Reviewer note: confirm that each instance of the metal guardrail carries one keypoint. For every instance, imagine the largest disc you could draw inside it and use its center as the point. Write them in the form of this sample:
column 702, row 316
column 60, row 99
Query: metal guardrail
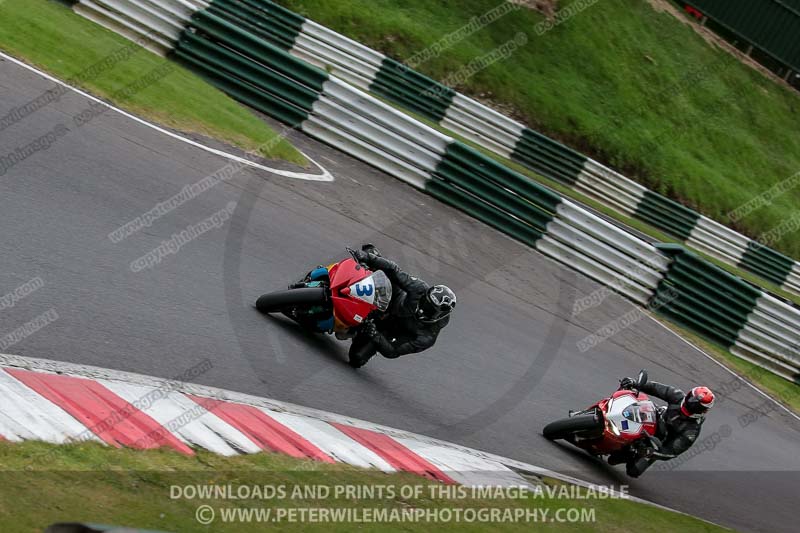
column 218, row 43
column 374, row 72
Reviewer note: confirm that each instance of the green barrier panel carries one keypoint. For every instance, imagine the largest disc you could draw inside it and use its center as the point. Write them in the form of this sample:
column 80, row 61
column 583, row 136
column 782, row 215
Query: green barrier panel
column 402, row 98
column 697, row 325
column 709, row 300
column 461, row 155
column 666, row 215
column 495, row 195
column 409, row 79
column 550, row 153
column 702, row 309
column 245, row 93
column 243, row 68
column 711, row 292
column 255, row 21
column 408, row 99
column 767, row 263
column 724, row 282
column 287, row 16
column 220, row 30
column 405, row 86
column 287, row 23
column 534, row 149
column 480, row 210
column 547, row 166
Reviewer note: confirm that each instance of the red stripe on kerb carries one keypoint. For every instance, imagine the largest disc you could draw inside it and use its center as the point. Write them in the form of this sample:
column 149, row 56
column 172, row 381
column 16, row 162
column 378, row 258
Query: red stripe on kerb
column 263, row 430
column 107, row 415
column 394, row 453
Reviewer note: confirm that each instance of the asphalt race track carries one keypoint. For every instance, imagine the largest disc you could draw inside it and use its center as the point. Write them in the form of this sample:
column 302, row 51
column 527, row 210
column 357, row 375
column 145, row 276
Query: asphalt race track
column 507, row 364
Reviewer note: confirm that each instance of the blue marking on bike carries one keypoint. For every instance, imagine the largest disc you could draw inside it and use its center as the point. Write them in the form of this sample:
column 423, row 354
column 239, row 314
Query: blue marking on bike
column 625, row 425
column 364, row 291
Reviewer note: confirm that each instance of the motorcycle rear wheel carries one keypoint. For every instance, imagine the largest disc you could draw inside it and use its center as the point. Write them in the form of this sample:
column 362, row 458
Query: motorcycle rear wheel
column 583, row 425
column 281, row 301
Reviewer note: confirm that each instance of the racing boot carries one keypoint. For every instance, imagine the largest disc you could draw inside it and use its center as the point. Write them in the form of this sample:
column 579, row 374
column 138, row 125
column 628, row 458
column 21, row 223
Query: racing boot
column 620, row 456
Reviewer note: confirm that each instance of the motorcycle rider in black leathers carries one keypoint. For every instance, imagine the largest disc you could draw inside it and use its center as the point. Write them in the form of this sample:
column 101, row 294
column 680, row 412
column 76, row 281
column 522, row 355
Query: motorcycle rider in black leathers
column 679, row 424
column 416, row 314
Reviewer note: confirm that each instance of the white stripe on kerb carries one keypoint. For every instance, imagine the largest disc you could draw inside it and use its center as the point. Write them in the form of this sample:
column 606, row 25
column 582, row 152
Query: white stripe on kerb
column 331, row 441
column 200, row 427
column 466, row 469
column 27, row 415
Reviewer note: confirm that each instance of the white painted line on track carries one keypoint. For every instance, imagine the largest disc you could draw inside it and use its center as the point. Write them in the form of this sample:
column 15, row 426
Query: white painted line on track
column 324, row 176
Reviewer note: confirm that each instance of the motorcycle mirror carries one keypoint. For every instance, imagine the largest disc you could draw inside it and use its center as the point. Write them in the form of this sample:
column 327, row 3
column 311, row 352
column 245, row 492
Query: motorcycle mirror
column 642, row 379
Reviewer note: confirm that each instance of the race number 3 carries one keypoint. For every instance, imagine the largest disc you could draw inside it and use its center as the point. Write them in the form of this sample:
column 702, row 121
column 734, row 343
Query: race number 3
column 365, row 290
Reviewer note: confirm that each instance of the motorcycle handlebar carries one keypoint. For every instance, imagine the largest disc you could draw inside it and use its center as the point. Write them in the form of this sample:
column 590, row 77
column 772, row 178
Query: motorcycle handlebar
column 352, row 254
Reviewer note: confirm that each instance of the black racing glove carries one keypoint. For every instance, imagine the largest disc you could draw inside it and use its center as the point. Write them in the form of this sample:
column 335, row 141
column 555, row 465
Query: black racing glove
column 370, row 249
column 370, row 330
column 361, row 256
column 627, row 383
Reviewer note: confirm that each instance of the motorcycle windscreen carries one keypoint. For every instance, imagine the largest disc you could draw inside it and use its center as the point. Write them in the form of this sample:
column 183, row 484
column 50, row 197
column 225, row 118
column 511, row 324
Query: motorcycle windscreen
column 375, row 289
column 641, row 413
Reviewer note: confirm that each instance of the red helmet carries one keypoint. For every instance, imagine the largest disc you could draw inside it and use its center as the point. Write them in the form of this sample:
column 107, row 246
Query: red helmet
column 697, row 402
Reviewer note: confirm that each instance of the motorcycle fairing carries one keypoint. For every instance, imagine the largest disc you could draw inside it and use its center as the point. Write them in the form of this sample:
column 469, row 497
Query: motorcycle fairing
column 632, row 415
column 617, row 403
column 356, row 292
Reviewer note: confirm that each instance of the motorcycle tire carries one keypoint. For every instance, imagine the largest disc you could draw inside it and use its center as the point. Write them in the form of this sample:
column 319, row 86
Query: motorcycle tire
column 584, row 425
column 280, row 301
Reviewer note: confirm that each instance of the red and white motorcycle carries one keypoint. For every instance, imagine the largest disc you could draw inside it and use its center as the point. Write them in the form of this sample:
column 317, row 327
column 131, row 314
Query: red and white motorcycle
column 626, row 419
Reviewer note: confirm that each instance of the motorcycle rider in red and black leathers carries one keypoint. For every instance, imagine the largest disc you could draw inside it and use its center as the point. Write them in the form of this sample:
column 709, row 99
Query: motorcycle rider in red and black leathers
column 679, row 424
column 416, row 314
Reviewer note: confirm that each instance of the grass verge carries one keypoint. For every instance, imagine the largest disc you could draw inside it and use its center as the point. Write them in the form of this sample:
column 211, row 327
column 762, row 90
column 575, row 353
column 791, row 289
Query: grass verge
column 88, row 482
column 49, row 35
column 628, row 85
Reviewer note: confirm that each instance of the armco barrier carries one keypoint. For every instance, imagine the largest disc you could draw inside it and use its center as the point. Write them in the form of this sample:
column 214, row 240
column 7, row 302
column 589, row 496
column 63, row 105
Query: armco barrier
column 381, row 75
column 244, row 54
column 752, row 324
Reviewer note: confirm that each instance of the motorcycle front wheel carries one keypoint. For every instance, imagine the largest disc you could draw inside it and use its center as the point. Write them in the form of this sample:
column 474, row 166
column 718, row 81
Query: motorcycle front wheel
column 281, row 301
column 583, row 425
